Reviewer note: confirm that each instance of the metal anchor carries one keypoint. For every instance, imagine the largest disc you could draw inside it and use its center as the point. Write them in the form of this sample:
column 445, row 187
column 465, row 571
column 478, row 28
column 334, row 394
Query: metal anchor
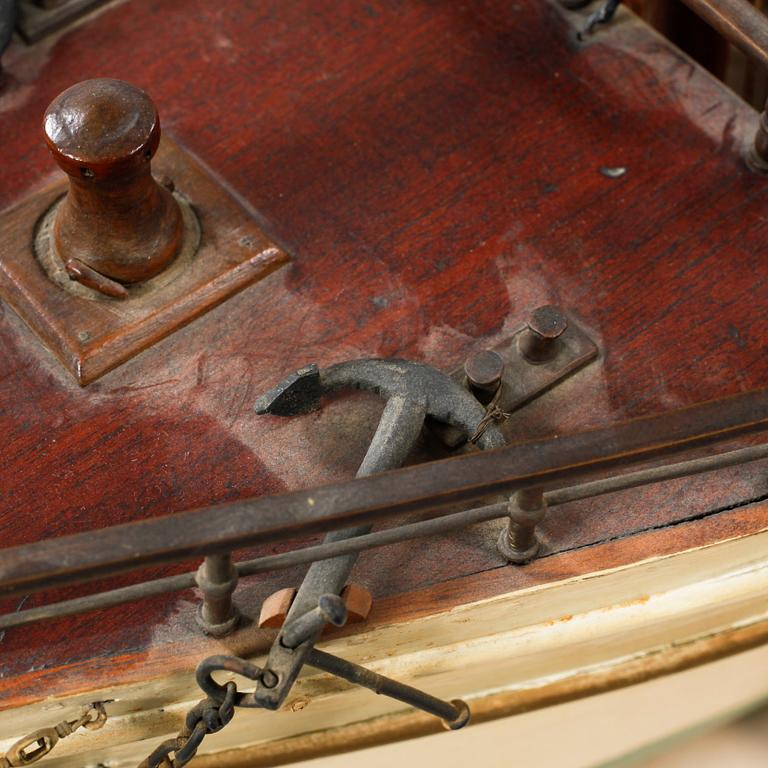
column 412, row 392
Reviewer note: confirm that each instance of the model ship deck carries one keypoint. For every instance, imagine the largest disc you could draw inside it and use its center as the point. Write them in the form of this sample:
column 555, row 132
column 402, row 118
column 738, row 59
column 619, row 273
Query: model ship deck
column 435, row 171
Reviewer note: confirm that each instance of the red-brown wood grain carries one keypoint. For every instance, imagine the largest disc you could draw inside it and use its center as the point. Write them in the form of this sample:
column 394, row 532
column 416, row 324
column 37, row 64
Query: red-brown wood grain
column 434, row 169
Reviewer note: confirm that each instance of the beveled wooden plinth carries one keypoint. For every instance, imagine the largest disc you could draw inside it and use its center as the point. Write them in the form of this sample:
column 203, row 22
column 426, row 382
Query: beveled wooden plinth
column 91, row 333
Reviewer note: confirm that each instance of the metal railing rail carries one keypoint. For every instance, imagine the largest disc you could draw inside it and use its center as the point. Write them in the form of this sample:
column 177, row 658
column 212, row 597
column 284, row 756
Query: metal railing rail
column 737, row 21
column 554, row 464
column 395, row 535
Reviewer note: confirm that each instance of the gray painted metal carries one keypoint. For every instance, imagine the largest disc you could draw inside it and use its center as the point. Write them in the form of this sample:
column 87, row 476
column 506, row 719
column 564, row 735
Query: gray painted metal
column 412, row 392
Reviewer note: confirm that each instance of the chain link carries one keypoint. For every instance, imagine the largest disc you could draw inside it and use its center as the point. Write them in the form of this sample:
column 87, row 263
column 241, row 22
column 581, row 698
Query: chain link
column 207, row 716
column 39, row 743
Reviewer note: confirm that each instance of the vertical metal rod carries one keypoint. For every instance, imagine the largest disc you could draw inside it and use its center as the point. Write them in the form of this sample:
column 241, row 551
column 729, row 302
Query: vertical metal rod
column 217, row 579
column 454, row 714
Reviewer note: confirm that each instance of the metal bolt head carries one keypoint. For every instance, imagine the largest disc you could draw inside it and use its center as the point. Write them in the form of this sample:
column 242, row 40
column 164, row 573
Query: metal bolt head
column 484, row 370
column 269, row 679
column 548, row 322
column 463, row 716
column 538, row 342
column 509, row 546
column 518, row 542
column 333, row 609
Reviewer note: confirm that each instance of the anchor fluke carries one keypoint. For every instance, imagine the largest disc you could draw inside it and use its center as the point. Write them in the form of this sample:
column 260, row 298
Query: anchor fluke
column 297, row 393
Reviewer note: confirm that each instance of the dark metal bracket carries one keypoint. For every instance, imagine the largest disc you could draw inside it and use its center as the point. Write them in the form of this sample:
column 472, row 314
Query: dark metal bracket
column 455, row 714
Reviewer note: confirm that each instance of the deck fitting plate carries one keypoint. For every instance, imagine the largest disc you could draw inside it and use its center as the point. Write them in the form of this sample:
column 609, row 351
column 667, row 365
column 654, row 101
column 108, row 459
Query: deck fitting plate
column 523, row 381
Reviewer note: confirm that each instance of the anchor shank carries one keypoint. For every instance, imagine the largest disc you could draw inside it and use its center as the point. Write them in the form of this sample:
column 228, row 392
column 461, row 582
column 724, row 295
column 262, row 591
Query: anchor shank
column 398, row 430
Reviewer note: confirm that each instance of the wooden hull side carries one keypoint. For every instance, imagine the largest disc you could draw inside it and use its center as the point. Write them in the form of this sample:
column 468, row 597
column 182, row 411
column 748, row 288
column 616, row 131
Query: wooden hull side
column 506, row 655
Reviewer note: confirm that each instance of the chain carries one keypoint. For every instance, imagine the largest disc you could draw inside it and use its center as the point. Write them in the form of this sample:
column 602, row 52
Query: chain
column 38, row 744
column 215, row 712
column 493, row 413
column 207, row 716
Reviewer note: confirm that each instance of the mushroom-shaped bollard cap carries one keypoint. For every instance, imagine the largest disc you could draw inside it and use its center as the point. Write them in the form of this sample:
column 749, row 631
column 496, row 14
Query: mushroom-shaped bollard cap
column 116, row 222
column 102, row 128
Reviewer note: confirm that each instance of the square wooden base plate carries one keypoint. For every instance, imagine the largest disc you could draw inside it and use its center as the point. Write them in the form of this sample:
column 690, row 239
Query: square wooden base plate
column 92, row 334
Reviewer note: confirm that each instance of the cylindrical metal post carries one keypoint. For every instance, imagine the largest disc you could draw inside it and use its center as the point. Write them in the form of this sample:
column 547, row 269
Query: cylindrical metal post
column 217, row 579
column 518, row 541
column 540, row 340
column 484, row 371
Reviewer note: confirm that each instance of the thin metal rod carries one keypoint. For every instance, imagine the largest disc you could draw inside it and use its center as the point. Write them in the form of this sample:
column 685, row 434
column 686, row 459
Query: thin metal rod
column 282, row 561
column 454, row 713
column 433, row 527
column 629, row 480
column 384, row 538
column 737, row 21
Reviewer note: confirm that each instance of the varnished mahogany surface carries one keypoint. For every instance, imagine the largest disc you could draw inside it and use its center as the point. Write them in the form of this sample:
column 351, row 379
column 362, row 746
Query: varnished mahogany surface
column 434, row 167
